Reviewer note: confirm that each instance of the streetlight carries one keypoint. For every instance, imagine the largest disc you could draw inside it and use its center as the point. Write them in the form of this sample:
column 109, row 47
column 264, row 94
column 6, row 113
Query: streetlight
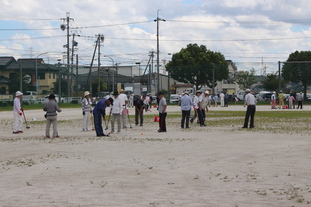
column 37, row 71
column 108, row 71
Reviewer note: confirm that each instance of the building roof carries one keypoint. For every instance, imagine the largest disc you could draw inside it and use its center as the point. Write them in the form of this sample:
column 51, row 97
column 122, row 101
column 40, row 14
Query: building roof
column 4, row 79
column 4, row 61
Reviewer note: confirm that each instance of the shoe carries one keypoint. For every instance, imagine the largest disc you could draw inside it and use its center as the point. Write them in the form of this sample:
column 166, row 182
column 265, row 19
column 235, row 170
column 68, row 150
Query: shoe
column 21, row 132
column 203, row 125
column 251, row 127
column 15, row 132
column 191, row 120
column 141, row 125
column 104, row 135
column 244, row 127
column 56, row 136
column 161, row 130
column 47, row 137
column 188, row 127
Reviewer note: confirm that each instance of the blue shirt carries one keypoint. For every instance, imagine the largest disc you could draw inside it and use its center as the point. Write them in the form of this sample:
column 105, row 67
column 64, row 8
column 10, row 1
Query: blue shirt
column 185, row 103
column 100, row 106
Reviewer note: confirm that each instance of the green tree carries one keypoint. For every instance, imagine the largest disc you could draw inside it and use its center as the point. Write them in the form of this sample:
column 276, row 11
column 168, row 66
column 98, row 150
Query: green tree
column 14, row 84
column 298, row 72
column 195, row 64
column 103, row 86
column 63, row 87
column 272, row 82
column 246, row 79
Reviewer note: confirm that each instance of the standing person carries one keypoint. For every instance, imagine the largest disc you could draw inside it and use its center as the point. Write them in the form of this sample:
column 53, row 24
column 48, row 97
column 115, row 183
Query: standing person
column 203, row 105
column 291, row 99
column 18, row 113
column 145, row 100
column 139, row 111
column 116, row 111
column 162, row 112
column 281, row 99
column 124, row 101
column 185, row 105
column 86, row 110
column 226, row 99
column 222, row 99
column 250, row 102
column 196, row 105
column 51, row 116
column 299, row 99
column 99, row 112
column 131, row 101
column 215, row 98
column 273, row 100
column 150, row 101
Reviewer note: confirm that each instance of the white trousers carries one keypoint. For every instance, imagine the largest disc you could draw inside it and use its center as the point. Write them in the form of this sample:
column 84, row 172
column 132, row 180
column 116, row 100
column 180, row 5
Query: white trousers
column 18, row 122
column 86, row 121
column 51, row 120
column 123, row 118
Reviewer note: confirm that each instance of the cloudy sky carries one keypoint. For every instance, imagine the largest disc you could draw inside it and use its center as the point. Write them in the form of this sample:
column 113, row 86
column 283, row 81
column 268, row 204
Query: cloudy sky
column 251, row 33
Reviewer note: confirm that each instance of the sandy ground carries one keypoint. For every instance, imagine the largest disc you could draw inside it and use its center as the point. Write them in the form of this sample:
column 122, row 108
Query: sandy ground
column 207, row 166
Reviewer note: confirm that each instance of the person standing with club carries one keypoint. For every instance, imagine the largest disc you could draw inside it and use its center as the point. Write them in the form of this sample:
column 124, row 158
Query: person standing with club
column 99, row 111
column 116, row 112
column 162, row 112
column 86, row 110
column 18, row 112
column 250, row 102
column 139, row 111
column 51, row 116
column 185, row 103
column 124, row 101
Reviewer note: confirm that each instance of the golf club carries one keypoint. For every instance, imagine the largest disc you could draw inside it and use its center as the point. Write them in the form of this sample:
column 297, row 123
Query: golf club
column 93, row 129
column 27, row 127
column 108, row 121
column 128, row 116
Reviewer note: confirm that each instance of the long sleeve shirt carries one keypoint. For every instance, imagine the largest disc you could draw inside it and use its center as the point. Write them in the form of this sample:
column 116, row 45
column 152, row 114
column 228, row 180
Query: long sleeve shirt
column 250, row 99
column 86, row 104
column 51, row 107
column 100, row 107
column 185, row 103
column 17, row 105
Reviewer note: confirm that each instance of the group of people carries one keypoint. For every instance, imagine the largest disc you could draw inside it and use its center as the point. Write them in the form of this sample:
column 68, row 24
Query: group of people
column 51, row 108
column 292, row 98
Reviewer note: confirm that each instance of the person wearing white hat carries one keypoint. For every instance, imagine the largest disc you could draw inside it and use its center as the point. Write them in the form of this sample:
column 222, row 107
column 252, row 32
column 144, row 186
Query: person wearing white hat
column 203, row 106
column 86, row 110
column 18, row 112
column 250, row 102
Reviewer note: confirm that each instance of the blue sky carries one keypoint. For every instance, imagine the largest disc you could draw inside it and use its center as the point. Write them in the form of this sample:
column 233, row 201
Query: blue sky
column 252, row 33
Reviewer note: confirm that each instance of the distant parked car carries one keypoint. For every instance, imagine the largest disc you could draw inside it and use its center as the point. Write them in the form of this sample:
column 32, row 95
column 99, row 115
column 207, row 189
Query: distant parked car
column 174, row 98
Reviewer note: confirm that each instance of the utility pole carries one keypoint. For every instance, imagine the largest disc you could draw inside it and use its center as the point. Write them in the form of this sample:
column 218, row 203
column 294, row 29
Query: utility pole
column 63, row 27
column 77, row 78
column 158, row 48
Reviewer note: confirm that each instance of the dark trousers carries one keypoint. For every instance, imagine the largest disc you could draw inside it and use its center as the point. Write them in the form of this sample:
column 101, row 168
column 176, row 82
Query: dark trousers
column 185, row 116
column 201, row 115
column 299, row 104
column 98, row 124
column 250, row 112
column 162, row 122
column 139, row 114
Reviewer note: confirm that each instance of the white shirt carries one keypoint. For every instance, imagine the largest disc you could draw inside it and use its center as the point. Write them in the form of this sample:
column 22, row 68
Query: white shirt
column 116, row 108
column 250, row 99
column 123, row 98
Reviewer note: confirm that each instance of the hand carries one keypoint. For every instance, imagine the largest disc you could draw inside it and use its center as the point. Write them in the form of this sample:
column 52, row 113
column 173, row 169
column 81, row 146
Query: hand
column 22, row 109
column 20, row 114
column 104, row 118
column 91, row 111
column 83, row 113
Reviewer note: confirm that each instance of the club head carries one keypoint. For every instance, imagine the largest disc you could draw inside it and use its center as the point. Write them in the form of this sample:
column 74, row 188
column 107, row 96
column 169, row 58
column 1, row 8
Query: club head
column 27, row 127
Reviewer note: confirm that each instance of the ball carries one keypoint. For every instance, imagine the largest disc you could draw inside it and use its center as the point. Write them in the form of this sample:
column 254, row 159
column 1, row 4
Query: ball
column 142, row 133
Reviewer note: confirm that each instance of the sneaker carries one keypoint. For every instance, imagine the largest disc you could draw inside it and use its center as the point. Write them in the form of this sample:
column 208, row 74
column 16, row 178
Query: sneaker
column 21, row 132
column 141, row 125
column 15, row 132
column 47, row 137
column 56, row 136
